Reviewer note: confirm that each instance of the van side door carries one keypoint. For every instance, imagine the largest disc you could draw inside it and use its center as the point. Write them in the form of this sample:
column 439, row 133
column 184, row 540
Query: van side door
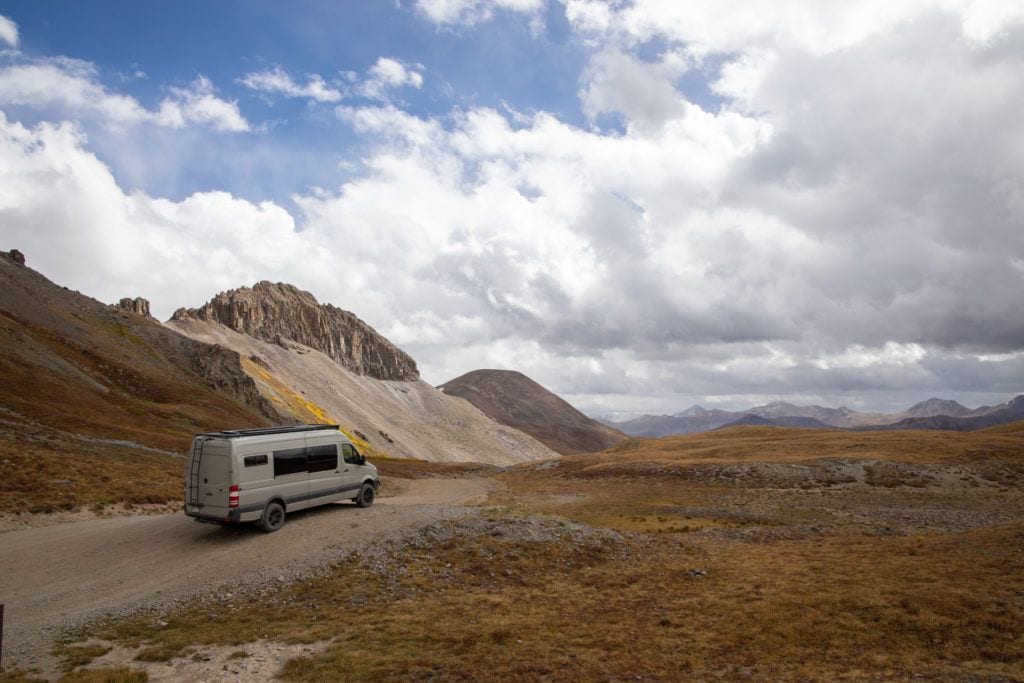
column 325, row 477
column 291, row 476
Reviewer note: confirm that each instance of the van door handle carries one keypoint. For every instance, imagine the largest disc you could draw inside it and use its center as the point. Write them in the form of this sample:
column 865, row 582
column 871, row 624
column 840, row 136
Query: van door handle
column 346, row 469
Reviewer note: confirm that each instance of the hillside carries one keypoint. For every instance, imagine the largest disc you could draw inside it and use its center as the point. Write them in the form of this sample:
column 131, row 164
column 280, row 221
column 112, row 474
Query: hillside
column 514, row 399
column 400, row 417
column 83, row 384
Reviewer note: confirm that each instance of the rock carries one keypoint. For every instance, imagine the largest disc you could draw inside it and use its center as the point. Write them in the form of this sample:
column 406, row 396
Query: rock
column 17, row 257
column 138, row 306
column 278, row 313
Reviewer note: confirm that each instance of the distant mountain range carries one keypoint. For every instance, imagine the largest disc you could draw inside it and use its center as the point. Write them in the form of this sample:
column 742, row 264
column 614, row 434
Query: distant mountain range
column 934, row 413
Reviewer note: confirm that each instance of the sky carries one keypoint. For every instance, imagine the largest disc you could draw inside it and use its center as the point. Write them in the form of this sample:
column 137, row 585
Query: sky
column 641, row 204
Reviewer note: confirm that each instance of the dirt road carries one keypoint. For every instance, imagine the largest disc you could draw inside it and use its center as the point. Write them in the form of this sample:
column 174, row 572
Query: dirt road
column 54, row 577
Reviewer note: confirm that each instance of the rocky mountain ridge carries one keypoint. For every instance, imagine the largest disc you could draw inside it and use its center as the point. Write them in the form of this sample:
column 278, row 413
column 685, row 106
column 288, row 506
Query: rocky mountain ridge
column 273, row 312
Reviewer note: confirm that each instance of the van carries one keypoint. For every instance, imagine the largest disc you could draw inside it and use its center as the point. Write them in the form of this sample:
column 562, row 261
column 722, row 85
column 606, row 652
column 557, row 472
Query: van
column 260, row 475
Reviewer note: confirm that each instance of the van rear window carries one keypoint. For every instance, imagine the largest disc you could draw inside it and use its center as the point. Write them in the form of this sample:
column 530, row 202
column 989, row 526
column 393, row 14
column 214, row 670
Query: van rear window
column 254, row 460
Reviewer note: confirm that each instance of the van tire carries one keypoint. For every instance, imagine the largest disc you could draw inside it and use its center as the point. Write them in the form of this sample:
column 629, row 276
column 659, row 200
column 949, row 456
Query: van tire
column 273, row 517
column 365, row 497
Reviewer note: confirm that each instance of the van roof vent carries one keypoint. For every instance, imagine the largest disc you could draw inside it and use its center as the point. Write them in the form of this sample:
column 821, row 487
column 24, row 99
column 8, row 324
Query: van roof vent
column 261, row 431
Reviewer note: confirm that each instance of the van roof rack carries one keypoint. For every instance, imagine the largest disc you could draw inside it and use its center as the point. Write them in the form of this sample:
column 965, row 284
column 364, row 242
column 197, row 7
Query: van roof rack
column 261, row 431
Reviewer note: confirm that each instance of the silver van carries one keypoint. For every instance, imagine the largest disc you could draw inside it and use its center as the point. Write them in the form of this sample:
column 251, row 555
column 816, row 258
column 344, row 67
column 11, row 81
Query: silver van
column 259, row 475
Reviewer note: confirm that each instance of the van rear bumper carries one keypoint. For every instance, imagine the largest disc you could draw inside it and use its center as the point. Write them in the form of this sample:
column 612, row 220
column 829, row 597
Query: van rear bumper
column 233, row 517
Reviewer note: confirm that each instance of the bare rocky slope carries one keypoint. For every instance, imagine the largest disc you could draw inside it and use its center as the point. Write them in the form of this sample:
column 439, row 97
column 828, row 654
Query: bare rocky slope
column 352, row 376
column 272, row 312
column 515, row 400
column 79, row 366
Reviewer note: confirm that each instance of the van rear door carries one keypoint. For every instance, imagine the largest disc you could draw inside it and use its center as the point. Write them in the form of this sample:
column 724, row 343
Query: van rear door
column 210, row 479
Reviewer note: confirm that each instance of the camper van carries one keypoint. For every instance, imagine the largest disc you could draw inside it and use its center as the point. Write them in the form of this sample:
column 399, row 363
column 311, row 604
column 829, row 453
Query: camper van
column 260, row 475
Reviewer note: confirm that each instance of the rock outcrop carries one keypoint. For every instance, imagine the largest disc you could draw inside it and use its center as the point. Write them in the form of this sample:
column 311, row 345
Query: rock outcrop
column 138, row 306
column 16, row 256
column 277, row 312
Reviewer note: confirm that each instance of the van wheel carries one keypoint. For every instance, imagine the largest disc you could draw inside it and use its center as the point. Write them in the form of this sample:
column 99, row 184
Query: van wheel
column 273, row 517
column 365, row 497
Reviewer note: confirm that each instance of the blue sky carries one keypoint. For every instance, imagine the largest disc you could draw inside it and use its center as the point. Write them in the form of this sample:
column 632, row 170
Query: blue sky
column 641, row 204
column 174, row 43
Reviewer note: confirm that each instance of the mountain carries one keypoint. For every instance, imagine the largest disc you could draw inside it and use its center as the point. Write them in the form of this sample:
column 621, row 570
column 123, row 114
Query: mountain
column 682, row 423
column 698, row 419
column 1011, row 411
column 752, row 420
column 272, row 312
column 317, row 363
column 513, row 399
column 74, row 365
column 936, row 406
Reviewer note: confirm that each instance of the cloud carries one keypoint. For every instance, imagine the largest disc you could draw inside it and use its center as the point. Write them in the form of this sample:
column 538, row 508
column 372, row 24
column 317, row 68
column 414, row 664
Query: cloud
column 198, row 103
column 841, row 226
column 70, row 86
column 8, row 31
column 277, row 80
column 470, row 12
column 388, row 73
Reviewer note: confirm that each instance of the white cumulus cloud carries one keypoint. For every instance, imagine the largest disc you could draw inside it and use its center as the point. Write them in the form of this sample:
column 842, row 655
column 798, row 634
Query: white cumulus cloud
column 66, row 86
column 388, row 73
column 473, row 11
column 8, row 31
column 277, row 80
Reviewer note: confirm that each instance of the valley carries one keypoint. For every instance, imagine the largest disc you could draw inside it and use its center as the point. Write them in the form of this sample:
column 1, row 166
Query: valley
column 516, row 538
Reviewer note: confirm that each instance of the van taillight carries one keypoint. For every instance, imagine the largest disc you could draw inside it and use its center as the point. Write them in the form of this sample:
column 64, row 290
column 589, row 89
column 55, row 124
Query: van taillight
column 233, row 496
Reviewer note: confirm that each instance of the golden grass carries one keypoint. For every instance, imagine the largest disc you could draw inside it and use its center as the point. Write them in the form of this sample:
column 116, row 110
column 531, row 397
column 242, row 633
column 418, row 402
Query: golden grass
column 712, row 579
column 778, row 444
column 484, row 608
column 46, row 476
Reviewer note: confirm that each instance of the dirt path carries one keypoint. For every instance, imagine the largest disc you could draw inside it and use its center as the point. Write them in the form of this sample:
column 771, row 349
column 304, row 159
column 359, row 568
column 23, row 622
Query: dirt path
column 55, row 577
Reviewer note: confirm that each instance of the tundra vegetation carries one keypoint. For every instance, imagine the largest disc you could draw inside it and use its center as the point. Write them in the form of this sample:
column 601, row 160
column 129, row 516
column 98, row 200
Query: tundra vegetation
column 751, row 552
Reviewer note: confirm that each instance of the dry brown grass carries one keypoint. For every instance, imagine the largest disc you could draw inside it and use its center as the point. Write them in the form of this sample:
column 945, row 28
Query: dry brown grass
column 776, row 444
column 479, row 607
column 53, row 474
column 731, row 580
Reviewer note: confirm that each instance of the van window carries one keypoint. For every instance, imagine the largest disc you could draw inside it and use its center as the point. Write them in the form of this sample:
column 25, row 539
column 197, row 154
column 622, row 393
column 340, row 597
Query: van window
column 289, row 461
column 351, row 456
column 323, row 458
column 254, row 460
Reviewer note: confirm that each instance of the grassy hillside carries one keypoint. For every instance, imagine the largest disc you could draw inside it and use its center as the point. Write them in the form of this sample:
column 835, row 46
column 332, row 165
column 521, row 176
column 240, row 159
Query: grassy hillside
column 76, row 376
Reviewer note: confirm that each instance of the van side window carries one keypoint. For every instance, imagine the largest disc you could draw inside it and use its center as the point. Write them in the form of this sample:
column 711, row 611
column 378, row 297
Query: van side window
column 254, row 460
column 289, row 461
column 323, row 458
column 351, row 457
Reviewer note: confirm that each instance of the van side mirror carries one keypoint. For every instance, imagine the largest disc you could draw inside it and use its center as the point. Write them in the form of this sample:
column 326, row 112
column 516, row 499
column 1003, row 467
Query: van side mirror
column 362, row 459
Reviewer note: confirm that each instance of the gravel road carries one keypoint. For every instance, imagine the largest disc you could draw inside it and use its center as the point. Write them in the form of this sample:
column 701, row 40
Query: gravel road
column 55, row 577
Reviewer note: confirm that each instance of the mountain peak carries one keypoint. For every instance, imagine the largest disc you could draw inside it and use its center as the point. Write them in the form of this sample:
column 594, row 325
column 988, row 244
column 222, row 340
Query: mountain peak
column 511, row 398
column 274, row 311
column 937, row 406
